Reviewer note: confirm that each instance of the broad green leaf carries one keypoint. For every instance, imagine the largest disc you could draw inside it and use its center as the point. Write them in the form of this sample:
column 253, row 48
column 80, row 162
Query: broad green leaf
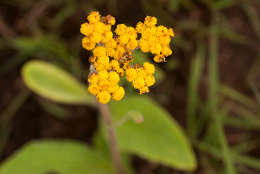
column 54, row 83
column 158, row 138
column 56, row 156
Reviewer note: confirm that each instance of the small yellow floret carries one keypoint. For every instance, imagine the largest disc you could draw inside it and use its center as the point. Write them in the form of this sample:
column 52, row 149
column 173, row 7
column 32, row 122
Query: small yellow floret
column 149, row 68
column 94, row 17
column 119, row 94
column 139, row 27
column 144, row 45
column 159, row 58
column 103, row 60
column 87, row 44
column 92, row 59
column 149, row 80
column 95, row 37
column 113, row 77
column 119, row 52
column 150, row 21
column 132, row 44
column 112, row 88
column 86, row 29
column 171, row 32
column 111, row 43
column 99, row 51
column 93, row 89
column 131, row 74
column 156, row 48
column 139, row 83
column 93, row 78
column 103, row 75
column 143, row 90
column 120, row 28
column 109, row 20
column 166, row 51
column 103, row 97
column 107, row 36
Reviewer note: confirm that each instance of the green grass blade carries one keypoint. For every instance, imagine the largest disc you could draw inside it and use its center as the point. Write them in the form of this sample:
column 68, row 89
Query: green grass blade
column 225, row 149
column 193, row 97
column 213, row 99
column 240, row 123
column 248, row 161
column 239, row 159
column 213, row 70
column 252, row 15
column 237, row 96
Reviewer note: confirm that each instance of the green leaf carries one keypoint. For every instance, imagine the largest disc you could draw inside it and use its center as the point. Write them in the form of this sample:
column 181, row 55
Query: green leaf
column 159, row 138
column 53, row 156
column 54, row 83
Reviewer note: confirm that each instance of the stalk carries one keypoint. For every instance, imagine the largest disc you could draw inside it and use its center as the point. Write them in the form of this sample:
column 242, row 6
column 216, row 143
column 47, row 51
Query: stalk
column 112, row 140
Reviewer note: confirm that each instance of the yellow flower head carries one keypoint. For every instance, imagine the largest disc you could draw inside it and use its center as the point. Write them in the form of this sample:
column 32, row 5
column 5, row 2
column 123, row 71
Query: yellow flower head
column 113, row 54
column 141, row 76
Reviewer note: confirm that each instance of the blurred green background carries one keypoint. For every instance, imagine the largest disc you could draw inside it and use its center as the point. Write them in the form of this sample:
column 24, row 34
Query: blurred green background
column 211, row 83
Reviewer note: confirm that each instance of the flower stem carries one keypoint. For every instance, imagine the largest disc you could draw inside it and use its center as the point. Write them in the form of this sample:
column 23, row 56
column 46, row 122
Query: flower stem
column 112, row 140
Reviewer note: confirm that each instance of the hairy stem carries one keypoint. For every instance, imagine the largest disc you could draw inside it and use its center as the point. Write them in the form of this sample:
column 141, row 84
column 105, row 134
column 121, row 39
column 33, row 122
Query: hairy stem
column 112, row 140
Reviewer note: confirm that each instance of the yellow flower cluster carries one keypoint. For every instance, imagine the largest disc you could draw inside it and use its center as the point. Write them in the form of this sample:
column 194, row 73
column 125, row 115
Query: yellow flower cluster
column 113, row 54
column 141, row 76
column 155, row 39
column 104, row 85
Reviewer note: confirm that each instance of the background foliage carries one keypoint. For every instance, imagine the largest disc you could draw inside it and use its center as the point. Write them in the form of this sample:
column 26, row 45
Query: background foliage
column 210, row 86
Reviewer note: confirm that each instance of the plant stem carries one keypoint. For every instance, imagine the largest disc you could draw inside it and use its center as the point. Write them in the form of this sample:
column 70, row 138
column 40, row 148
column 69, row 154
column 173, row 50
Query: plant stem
column 112, row 140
